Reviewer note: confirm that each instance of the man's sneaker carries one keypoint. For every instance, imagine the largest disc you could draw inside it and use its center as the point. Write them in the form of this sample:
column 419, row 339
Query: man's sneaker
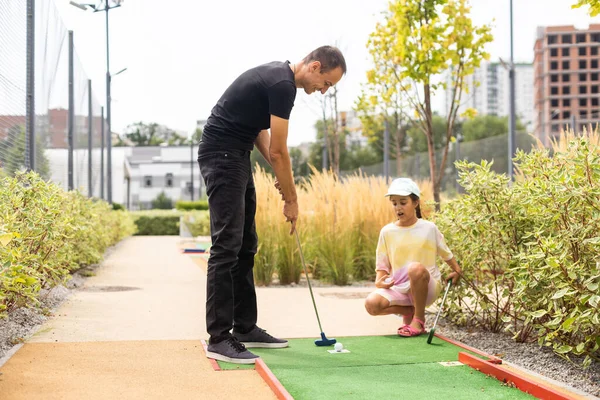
column 230, row 350
column 258, row 337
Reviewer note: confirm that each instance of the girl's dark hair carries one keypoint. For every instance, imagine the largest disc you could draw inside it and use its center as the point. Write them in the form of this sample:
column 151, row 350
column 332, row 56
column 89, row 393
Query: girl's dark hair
column 414, row 197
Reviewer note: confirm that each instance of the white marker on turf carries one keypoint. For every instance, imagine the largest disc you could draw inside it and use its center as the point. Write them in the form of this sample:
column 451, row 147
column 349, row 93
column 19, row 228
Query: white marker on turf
column 338, row 348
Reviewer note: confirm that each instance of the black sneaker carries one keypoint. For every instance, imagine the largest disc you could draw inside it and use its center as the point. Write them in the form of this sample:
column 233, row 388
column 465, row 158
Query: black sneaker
column 230, row 350
column 258, row 337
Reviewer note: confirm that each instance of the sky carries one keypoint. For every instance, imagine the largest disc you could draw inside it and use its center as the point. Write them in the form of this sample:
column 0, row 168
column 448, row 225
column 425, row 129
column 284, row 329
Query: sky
column 181, row 55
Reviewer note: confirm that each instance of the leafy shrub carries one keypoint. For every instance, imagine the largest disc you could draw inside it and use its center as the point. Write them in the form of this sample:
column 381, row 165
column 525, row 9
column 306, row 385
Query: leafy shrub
column 531, row 251
column 45, row 233
column 198, row 222
column 200, row 205
column 156, row 223
column 159, row 222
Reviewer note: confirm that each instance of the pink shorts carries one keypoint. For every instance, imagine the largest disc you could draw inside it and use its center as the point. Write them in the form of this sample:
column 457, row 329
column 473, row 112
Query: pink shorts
column 403, row 296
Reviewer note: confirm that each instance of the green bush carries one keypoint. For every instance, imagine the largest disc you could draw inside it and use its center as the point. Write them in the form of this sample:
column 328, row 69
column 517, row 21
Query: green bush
column 198, row 222
column 45, row 233
column 162, row 202
column 530, row 252
column 200, row 205
column 156, row 223
column 159, row 222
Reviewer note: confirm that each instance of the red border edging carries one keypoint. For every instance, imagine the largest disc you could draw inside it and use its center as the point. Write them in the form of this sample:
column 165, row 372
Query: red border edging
column 212, row 361
column 271, row 380
column 264, row 372
column 525, row 385
column 490, row 358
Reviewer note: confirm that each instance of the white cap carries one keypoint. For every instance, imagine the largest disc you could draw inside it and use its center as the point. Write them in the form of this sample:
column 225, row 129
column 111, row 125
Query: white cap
column 403, row 187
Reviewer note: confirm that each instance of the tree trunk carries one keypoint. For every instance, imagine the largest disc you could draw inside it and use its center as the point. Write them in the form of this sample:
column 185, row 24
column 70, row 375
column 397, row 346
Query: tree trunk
column 326, row 136
column 430, row 147
column 398, row 136
column 336, row 134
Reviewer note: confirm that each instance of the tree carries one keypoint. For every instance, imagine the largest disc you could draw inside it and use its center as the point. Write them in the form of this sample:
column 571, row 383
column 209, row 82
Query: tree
column 12, row 153
column 421, row 40
column 299, row 163
column 593, row 4
column 357, row 156
column 381, row 101
column 485, row 126
column 197, row 136
column 162, row 202
column 331, row 129
column 418, row 141
column 335, row 144
column 153, row 134
column 257, row 158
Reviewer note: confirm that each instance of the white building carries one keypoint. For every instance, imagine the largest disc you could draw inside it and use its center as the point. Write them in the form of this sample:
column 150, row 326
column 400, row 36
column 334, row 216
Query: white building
column 489, row 92
column 152, row 170
column 350, row 121
column 139, row 174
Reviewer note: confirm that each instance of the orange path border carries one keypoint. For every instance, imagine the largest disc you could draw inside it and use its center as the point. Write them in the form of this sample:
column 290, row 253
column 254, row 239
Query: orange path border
column 490, row 358
column 212, row 361
column 265, row 373
column 271, row 380
column 508, row 377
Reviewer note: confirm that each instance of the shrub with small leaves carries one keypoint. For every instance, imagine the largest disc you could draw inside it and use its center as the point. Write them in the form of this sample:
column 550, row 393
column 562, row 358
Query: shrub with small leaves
column 45, row 233
column 530, row 251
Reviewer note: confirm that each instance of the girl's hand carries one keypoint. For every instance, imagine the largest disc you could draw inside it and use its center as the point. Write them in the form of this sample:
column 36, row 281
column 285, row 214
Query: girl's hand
column 455, row 276
column 381, row 283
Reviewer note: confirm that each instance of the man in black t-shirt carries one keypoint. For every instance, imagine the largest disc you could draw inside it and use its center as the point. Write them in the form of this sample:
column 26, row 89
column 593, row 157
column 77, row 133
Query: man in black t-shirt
column 260, row 99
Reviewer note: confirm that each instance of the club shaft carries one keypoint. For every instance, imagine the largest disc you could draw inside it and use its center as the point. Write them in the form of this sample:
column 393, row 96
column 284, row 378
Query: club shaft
column 307, row 279
column 441, row 306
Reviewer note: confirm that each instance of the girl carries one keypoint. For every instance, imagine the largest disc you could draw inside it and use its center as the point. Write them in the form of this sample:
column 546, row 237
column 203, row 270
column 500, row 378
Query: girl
column 408, row 279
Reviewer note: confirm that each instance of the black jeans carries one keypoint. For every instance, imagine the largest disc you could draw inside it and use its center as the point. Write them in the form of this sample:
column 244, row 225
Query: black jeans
column 230, row 292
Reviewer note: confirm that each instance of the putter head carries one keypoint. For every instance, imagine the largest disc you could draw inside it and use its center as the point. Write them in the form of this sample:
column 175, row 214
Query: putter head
column 324, row 341
column 430, row 337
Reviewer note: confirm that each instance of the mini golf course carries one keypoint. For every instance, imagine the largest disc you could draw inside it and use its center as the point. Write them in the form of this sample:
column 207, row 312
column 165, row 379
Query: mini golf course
column 388, row 367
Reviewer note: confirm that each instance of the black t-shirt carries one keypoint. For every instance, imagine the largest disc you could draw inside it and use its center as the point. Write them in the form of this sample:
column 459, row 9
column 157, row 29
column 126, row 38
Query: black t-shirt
column 247, row 105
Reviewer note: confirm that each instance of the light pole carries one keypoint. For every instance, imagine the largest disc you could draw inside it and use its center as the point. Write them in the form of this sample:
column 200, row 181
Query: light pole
column 106, row 6
column 459, row 139
column 386, row 151
column 512, row 126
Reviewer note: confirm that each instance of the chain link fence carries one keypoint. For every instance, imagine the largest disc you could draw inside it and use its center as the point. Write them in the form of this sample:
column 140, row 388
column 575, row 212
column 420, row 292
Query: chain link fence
column 50, row 120
column 416, row 166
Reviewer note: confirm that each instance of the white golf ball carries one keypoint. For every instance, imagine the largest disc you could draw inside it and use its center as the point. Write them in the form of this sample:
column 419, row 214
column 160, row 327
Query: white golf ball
column 338, row 346
column 388, row 280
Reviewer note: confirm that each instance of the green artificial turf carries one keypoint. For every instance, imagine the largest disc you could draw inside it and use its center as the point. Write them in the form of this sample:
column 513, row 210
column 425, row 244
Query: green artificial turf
column 378, row 367
column 403, row 381
column 364, row 351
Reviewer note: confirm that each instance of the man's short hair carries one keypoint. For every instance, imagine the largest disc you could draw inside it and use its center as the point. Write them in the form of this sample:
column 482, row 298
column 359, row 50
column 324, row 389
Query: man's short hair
column 330, row 58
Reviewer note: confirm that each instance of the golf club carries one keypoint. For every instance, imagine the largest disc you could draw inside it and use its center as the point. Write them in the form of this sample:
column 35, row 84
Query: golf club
column 432, row 330
column 323, row 341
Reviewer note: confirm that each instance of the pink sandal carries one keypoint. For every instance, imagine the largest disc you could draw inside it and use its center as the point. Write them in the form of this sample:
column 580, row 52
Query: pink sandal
column 409, row 331
column 407, row 319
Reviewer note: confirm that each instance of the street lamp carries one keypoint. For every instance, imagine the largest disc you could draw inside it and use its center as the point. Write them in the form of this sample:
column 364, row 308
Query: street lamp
column 106, row 6
column 459, row 139
column 512, row 127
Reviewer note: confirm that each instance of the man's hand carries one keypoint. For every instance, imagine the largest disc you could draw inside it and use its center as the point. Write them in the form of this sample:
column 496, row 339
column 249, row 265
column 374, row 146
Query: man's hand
column 278, row 187
column 290, row 211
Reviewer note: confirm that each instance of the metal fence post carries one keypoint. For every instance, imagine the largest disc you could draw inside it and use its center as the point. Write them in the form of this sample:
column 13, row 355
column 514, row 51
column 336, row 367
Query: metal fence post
column 90, row 118
column 102, row 153
column 71, row 111
column 30, row 101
